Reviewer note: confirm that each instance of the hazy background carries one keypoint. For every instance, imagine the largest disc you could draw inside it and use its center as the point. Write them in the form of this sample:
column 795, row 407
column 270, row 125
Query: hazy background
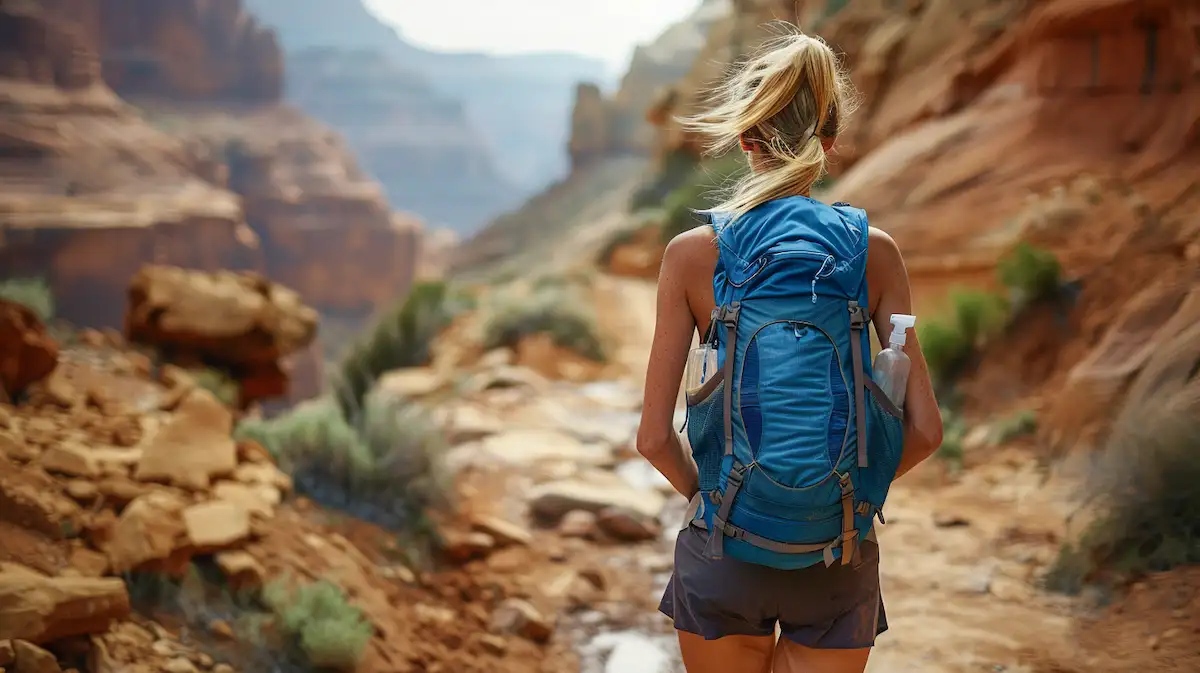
column 603, row 29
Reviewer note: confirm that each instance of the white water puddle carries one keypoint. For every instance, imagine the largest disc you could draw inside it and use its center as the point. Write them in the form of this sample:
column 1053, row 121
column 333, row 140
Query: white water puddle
column 631, row 652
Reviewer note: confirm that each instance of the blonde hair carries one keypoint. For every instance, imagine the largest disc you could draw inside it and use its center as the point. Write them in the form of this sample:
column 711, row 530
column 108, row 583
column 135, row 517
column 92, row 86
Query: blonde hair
column 785, row 99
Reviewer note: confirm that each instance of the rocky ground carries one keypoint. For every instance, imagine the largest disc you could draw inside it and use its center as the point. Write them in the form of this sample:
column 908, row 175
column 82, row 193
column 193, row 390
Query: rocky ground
column 115, row 477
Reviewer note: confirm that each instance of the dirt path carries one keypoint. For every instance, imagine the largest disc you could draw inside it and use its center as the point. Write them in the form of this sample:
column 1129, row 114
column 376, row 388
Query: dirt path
column 961, row 554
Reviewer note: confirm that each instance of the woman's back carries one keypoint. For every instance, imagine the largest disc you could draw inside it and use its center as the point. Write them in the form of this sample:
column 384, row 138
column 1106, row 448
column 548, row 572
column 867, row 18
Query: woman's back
column 761, row 504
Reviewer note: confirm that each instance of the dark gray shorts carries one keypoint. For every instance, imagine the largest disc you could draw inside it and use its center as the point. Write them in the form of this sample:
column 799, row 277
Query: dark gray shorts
column 832, row 608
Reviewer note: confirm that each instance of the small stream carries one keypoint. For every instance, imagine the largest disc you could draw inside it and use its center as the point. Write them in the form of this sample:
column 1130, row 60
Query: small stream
column 646, row 642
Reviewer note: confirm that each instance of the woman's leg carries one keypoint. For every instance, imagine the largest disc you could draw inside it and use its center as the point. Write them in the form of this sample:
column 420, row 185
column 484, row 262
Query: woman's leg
column 732, row 654
column 793, row 658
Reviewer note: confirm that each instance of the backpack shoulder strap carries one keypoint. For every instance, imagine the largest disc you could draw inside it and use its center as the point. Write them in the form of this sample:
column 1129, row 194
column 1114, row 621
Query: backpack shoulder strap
column 856, row 221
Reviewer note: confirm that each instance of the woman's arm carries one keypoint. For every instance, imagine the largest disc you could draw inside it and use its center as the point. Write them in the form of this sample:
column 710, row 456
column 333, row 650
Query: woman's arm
column 657, row 439
column 887, row 276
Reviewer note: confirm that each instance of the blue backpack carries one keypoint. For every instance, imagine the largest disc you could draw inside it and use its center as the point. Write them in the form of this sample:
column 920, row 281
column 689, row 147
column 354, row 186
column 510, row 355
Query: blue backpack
column 796, row 445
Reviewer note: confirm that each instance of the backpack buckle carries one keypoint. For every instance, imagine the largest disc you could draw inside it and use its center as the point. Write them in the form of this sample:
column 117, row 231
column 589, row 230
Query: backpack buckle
column 858, row 318
column 728, row 315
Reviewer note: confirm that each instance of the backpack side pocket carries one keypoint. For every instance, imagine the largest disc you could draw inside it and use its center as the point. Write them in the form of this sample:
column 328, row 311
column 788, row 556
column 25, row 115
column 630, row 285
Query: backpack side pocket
column 706, row 429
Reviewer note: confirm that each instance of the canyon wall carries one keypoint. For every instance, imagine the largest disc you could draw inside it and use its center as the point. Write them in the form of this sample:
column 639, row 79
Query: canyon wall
column 88, row 191
column 604, row 127
column 197, row 165
column 417, row 142
column 505, row 119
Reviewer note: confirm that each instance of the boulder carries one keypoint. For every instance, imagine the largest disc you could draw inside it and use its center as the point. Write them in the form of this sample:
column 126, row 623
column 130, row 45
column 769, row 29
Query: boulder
column 30, row 658
column 28, row 354
column 627, row 525
column 238, row 319
column 149, row 529
column 519, row 617
column 194, row 446
column 553, row 500
column 42, row 609
column 502, row 531
column 216, row 524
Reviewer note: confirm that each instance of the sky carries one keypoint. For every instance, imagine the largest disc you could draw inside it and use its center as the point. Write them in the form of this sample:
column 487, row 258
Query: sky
column 605, row 29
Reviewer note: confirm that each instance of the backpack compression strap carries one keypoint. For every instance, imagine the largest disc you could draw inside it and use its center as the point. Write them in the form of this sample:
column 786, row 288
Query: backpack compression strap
column 858, row 322
column 727, row 316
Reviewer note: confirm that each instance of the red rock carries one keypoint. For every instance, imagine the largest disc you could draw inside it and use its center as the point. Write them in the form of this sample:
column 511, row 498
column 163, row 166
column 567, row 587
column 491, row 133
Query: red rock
column 28, row 354
column 193, row 446
column 42, row 609
column 149, row 529
column 216, row 524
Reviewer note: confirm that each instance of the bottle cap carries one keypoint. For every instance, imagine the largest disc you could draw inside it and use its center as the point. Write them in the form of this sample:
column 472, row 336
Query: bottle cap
column 901, row 322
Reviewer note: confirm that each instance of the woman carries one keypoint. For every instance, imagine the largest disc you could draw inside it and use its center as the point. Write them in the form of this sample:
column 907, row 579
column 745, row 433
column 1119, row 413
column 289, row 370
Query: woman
column 783, row 108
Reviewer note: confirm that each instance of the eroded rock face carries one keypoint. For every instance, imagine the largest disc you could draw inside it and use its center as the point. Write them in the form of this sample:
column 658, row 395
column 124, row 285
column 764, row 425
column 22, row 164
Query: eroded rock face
column 603, row 127
column 395, row 120
column 27, row 353
column 181, row 49
column 93, row 189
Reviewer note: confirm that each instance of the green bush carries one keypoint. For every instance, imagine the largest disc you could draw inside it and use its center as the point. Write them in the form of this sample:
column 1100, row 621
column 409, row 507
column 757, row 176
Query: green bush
column 678, row 167
column 33, row 293
column 401, row 338
column 1020, row 424
column 1030, row 274
column 385, row 468
column 698, row 192
column 319, row 619
column 556, row 310
column 954, row 431
column 219, row 383
column 1146, row 485
column 949, row 343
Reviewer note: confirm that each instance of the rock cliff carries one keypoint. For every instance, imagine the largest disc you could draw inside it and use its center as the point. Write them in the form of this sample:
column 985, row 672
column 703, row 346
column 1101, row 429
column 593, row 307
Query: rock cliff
column 88, row 191
column 417, row 142
column 604, row 127
column 208, row 171
column 520, row 104
column 188, row 50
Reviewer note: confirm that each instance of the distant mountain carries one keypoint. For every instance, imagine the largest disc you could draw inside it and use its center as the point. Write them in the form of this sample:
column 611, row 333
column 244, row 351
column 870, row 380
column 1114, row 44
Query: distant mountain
column 418, row 143
column 521, row 104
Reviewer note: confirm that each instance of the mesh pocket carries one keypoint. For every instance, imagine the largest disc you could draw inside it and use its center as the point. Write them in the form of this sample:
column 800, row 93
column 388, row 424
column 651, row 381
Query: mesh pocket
column 885, row 445
column 706, row 433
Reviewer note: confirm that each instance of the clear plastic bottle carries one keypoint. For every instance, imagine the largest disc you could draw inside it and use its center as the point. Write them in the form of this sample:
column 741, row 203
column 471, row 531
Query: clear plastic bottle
column 892, row 364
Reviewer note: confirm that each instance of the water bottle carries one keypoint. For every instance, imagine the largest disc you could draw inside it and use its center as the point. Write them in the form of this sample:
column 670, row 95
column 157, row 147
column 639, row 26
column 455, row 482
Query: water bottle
column 702, row 365
column 892, row 365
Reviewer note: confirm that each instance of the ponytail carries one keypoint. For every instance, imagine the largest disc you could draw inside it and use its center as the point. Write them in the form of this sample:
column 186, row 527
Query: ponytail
column 785, row 100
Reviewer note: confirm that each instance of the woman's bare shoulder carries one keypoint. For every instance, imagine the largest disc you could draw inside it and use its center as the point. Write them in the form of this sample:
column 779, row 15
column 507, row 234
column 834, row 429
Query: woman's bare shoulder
column 693, row 249
column 885, row 266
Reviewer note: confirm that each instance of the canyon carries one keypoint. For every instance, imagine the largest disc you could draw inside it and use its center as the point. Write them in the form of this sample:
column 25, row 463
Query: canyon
column 499, row 122
column 154, row 132
column 1069, row 125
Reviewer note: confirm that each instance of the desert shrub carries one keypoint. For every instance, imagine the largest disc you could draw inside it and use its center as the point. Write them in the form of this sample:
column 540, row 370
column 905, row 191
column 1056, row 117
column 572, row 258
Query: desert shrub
column 954, row 431
column 622, row 237
column 678, row 166
column 385, row 467
column 698, row 192
column 33, row 293
column 219, row 383
column 556, row 310
column 202, row 597
column 949, row 342
column 1146, row 487
column 1020, row 424
column 401, row 338
column 321, row 622
column 1030, row 274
